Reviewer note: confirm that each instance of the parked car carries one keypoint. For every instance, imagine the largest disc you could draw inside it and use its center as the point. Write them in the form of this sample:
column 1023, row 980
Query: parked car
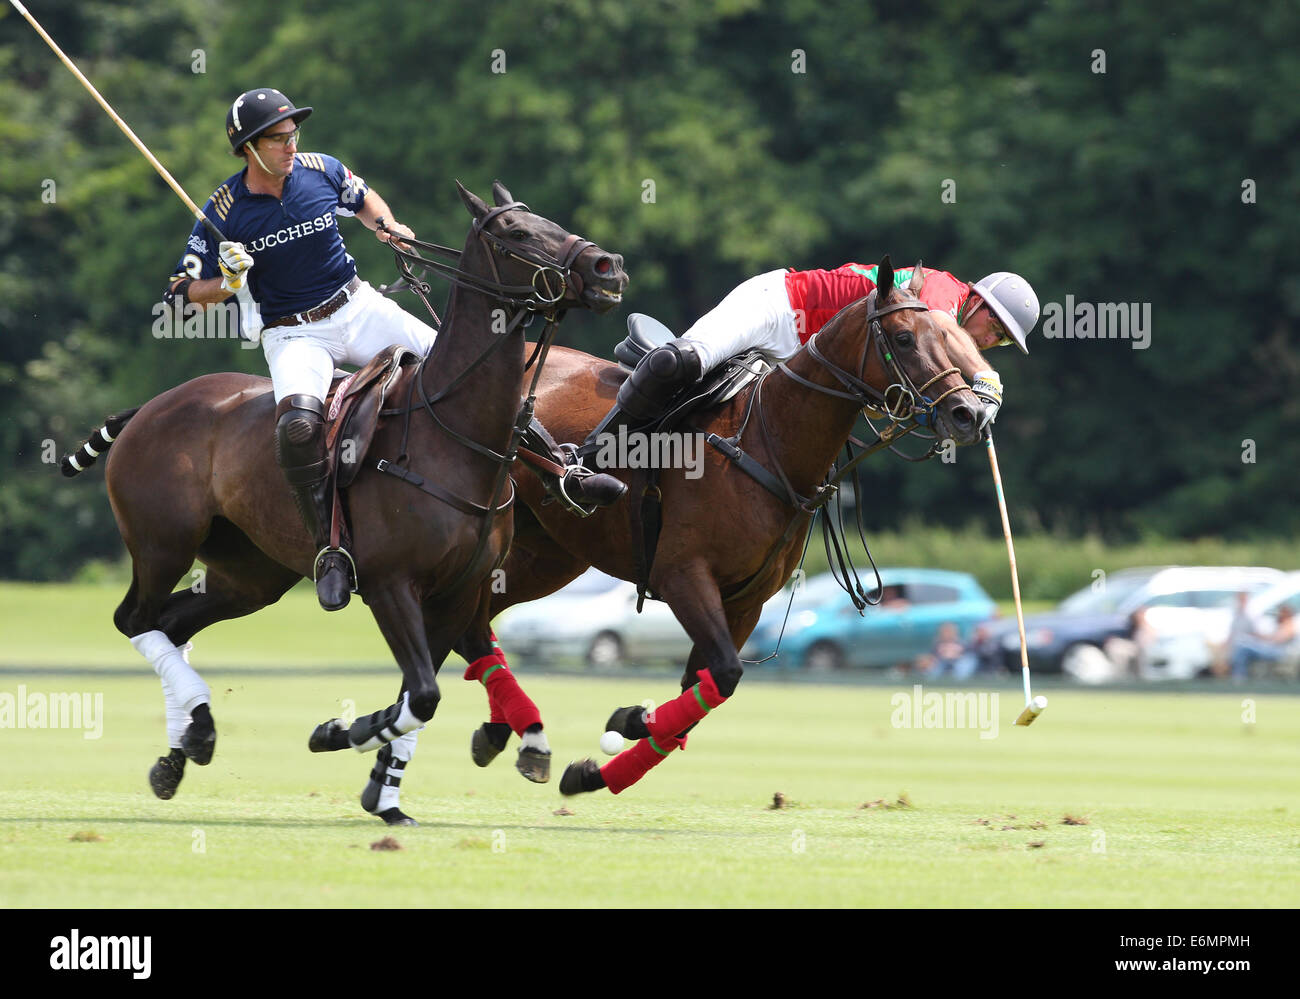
column 825, row 631
column 1071, row 639
column 1191, row 640
column 593, row 620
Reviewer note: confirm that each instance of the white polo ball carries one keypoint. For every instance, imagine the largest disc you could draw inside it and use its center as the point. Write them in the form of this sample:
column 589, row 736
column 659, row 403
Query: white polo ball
column 1040, row 702
column 611, row 743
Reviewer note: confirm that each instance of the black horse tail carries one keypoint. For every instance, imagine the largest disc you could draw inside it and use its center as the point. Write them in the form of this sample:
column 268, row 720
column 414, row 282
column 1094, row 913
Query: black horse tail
column 99, row 442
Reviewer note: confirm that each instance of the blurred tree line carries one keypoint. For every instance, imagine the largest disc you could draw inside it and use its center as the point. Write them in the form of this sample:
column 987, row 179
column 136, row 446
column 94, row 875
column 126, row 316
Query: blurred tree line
column 1109, row 151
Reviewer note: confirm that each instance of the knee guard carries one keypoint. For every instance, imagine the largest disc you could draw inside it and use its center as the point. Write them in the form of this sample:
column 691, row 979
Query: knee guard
column 662, row 373
column 300, row 439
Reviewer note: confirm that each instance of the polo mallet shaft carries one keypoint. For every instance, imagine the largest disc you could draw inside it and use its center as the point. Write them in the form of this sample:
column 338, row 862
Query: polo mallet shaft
column 162, row 171
column 1032, row 707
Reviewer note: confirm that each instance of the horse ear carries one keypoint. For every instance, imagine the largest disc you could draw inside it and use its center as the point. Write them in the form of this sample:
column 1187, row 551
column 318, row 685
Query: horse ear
column 500, row 194
column 918, row 280
column 473, row 202
column 884, row 279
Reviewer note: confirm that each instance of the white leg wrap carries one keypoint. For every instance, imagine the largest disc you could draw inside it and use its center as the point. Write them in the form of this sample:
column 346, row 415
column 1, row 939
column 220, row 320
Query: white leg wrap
column 407, row 722
column 535, row 740
column 403, row 749
column 178, row 678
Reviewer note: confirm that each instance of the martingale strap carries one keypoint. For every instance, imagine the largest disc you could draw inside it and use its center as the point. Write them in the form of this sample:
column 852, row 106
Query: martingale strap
column 433, row 489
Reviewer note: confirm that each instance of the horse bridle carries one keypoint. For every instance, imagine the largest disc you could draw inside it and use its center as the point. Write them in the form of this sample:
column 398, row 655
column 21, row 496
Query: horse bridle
column 552, row 279
column 907, row 400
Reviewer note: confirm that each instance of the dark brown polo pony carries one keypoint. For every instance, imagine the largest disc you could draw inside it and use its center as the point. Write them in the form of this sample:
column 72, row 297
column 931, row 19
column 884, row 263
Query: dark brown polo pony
column 193, row 475
column 725, row 534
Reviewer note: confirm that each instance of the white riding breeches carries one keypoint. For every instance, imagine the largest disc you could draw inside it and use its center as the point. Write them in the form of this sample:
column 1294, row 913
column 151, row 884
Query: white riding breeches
column 302, row 358
column 755, row 315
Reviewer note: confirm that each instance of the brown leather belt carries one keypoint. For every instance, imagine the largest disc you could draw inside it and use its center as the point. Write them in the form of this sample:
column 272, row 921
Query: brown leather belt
column 322, row 311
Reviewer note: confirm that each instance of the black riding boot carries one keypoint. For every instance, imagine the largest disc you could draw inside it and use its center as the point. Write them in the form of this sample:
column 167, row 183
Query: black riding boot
column 579, row 490
column 300, row 450
column 654, row 384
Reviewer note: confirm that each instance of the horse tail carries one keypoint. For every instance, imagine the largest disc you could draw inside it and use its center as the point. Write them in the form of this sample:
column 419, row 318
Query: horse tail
column 97, row 444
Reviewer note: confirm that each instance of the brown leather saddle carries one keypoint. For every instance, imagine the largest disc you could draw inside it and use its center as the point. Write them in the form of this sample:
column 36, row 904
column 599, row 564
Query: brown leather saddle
column 352, row 410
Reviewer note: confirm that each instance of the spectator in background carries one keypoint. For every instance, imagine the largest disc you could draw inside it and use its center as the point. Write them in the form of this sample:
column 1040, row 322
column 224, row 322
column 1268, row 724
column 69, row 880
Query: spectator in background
column 1127, row 651
column 1252, row 647
column 892, row 599
column 949, row 653
column 987, row 650
column 1241, row 627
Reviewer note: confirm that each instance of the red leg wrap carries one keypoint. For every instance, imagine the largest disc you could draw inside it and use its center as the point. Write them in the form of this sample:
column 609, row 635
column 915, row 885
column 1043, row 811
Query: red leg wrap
column 509, row 700
column 631, row 765
column 478, row 667
column 686, row 709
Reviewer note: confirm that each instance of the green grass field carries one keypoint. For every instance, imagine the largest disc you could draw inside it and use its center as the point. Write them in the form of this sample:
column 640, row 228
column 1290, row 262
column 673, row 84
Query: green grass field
column 1185, row 799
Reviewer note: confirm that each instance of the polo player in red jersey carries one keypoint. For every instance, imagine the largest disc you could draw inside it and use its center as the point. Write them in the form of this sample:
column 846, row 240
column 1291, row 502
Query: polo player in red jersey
column 778, row 312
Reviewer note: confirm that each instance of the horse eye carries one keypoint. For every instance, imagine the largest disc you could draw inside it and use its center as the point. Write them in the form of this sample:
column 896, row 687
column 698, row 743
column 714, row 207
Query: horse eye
column 905, row 339
column 519, row 234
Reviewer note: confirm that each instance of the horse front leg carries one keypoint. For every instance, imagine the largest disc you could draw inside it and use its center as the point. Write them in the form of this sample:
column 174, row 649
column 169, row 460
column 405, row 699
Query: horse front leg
column 712, row 674
column 510, row 709
column 382, row 794
column 397, row 612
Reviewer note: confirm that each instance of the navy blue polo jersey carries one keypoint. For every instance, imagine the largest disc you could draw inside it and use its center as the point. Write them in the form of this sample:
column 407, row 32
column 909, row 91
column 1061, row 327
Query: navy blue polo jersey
column 299, row 259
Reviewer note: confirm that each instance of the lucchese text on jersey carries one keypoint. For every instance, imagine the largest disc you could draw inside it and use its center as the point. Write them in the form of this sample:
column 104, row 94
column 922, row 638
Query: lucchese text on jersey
column 290, row 233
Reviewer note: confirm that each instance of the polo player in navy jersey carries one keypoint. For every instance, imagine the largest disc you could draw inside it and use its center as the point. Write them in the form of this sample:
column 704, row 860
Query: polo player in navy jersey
column 281, row 213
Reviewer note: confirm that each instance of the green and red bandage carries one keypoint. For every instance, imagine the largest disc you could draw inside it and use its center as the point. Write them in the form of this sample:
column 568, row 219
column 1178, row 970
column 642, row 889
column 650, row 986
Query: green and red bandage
column 631, row 765
column 686, row 709
column 506, row 699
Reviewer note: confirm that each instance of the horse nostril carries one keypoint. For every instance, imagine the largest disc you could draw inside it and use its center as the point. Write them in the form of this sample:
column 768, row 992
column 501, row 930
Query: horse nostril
column 962, row 416
column 603, row 265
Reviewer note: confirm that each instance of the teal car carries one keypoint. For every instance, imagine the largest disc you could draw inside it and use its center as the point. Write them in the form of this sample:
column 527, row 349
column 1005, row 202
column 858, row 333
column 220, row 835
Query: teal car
column 826, row 632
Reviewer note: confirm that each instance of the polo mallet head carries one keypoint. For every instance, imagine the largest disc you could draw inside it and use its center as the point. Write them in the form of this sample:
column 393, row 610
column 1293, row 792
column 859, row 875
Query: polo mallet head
column 1032, row 710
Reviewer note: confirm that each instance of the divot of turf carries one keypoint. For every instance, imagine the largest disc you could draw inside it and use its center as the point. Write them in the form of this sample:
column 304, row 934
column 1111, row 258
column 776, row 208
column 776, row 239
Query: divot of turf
column 387, row 843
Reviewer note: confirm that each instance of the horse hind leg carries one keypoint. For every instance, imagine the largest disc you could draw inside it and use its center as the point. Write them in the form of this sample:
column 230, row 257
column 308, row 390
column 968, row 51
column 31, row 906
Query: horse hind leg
column 191, row 733
column 238, row 580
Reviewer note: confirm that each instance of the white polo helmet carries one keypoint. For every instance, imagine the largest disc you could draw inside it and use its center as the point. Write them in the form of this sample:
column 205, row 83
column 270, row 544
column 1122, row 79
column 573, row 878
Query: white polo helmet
column 1013, row 301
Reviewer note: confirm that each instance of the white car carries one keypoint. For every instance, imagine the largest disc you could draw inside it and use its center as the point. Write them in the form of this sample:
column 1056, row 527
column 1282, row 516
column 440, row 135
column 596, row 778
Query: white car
column 1187, row 640
column 593, row 620
column 1181, row 605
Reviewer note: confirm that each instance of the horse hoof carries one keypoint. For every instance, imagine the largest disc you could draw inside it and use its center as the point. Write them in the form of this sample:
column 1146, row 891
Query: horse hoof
column 580, row 777
column 396, row 817
column 200, row 738
column 165, row 775
column 629, row 723
column 483, row 746
column 329, row 737
column 535, row 765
